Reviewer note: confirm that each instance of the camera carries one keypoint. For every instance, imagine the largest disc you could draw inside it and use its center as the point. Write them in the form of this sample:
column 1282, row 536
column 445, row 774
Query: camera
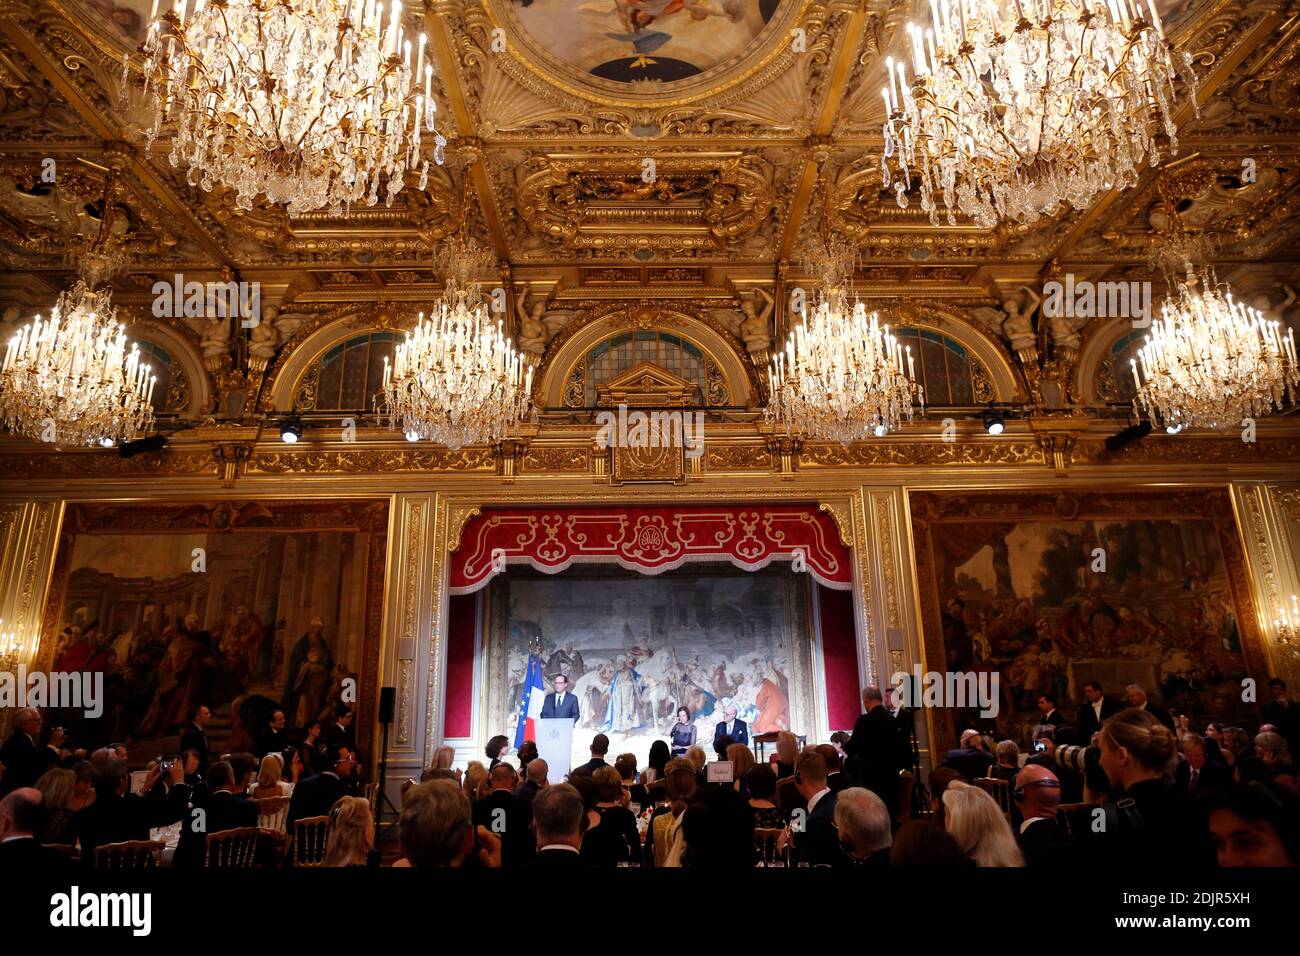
column 1076, row 758
column 1039, row 746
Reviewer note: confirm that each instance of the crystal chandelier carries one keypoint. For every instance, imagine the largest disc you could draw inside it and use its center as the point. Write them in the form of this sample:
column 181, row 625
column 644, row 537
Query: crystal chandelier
column 457, row 379
column 1210, row 361
column 1018, row 106
column 70, row 378
column 310, row 102
column 841, row 375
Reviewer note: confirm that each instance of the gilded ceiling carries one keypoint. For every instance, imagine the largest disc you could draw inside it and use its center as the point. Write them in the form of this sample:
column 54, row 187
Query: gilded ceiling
column 762, row 121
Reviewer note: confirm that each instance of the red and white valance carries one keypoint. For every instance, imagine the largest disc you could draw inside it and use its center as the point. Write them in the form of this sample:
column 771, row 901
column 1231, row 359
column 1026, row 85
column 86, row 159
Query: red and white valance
column 650, row 540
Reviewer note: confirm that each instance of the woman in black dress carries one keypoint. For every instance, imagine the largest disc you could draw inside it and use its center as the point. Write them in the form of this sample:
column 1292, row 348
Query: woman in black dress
column 614, row 838
column 683, row 735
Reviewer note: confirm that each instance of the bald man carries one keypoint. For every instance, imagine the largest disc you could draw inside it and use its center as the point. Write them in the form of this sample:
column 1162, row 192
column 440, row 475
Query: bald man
column 21, row 814
column 1038, row 793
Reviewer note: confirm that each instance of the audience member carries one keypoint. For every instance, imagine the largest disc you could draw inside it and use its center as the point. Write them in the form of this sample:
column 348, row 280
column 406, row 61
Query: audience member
column 1095, row 710
column 599, row 747
column 718, row 830
column 760, row 781
column 1282, row 712
column 339, row 733
column 269, row 783
column 558, row 816
column 926, row 843
column 1007, row 761
column 1256, row 824
column 21, row 852
column 495, row 748
column 1196, row 772
column 315, row 795
column 1048, row 714
column 224, row 808
column 270, row 737
column 655, row 763
column 57, row 787
column 816, row 842
column 877, row 750
column 435, row 829
column 978, row 825
column 863, row 823
column 23, row 757
column 195, row 737
column 663, row 846
column 1136, row 698
column 742, row 761
column 787, row 752
column 1272, row 749
column 352, row 834
column 117, row 815
column 636, row 792
column 611, row 837
column 940, row 779
column 534, row 780
column 1042, row 840
column 971, row 759
column 475, row 781
column 508, row 816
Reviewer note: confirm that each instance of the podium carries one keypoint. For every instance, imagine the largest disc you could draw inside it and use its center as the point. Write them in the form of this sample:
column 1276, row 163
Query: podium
column 555, row 746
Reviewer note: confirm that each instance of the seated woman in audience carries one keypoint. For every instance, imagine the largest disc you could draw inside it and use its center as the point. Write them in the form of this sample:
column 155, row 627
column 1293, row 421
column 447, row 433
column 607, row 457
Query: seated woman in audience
column 976, row 822
column 787, row 753
column 57, row 787
column 662, row 841
column 443, row 758
column 1008, row 761
column 940, row 779
column 760, row 781
column 612, row 838
column 1272, row 749
column 655, row 763
column 352, row 834
column 294, row 769
column 268, row 778
column 1256, row 825
column 634, row 792
column 475, row 781
column 526, row 753
column 683, row 733
column 742, row 761
column 83, row 791
column 926, row 843
column 314, row 742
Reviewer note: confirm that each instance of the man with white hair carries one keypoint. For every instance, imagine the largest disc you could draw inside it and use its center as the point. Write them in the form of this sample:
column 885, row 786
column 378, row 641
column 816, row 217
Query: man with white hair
column 1136, row 698
column 970, row 759
column 23, row 757
column 731, row 726
column 863, row 823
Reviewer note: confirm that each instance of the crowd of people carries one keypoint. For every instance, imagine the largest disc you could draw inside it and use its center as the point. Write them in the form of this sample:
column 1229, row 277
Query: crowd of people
column 1141, row 788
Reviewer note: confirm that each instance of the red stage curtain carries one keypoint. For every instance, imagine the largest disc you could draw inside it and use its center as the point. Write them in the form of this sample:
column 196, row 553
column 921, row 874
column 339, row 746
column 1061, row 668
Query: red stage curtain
column 650, row 540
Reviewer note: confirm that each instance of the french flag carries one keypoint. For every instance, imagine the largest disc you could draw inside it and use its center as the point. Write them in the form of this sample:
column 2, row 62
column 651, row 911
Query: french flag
column 530, row 701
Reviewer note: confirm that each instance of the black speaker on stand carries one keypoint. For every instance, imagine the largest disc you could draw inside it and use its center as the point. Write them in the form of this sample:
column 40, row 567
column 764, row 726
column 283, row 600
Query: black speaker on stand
column 387, row 706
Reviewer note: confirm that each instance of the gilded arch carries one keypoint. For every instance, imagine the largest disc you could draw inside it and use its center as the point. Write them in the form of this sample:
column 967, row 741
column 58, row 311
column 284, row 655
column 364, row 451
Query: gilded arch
column 999, row 382
column 192, row 388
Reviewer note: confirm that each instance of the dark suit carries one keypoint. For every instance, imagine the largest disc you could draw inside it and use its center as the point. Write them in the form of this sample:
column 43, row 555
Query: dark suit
column 1044, row 843
column 1212, row 777
column 1086, row 720
column 970, row 763
column 19, row 857
column 222, row 810
column 511, row 818
column 336, row 736
column 837, row 780
column 875, row 752
column 195, row 739
column 314, row 796
column 269, row 741
column 527, row 790
column 118, row 817
column 1055, row 718
column 819, row 843
column 566, row 708
column 739, row 732
column 557, row 860
column 591, row 766
column 1160, row 714
column 24, row 761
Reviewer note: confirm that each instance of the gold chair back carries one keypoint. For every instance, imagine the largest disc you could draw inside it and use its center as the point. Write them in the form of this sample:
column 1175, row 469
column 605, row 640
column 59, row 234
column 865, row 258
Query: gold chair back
column 129, row 855
column 310, row 837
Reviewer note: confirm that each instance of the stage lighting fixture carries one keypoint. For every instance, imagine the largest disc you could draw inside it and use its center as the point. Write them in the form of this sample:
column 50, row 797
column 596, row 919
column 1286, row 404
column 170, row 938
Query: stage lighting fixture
column 994, row 423
column 291, row 429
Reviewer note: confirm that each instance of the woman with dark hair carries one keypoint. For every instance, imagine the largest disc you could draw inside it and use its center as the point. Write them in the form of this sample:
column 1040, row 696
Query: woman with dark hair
column 718, row 831
column 926, row 843
column 495, row 747
column 526, row 753
column 311, row 745
column 655, row 763
column 1256, row 824
column 683, row 733
column 761, row 783
column 663, row 844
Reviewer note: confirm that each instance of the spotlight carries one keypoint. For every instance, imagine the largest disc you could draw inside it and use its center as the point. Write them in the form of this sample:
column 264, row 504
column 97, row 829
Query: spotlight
column 129, row 449
column 994, row 423
column 879, row 431
column 106, row 443
column 412, row 436
column 1126, row 436
column 291, row 429
column 1174, row 429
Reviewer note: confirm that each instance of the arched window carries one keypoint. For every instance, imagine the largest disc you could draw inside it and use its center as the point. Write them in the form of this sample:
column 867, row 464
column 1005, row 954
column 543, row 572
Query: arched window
column 948, row 371
column 171, row 393
column 1115, row 381
column 349, row 376
column 672, row 353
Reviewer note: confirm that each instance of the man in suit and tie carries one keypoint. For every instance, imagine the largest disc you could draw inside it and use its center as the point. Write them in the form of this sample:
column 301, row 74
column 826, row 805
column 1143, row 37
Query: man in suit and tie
column 508, row 816
column 1094, row 711
column 560, row 703
column 1196, row 773
column 340, row 733
column 1137, row 699
column 875, row 749
column 1050, row 715
column 731, row 727
column 557, row 823
column 314, row 796
column 970, row 759
column 817, row 842
column 195, row 737
column 23, row 758
column 599, row 747
column 1038, row 794
column 21, row 816
column 223, row 809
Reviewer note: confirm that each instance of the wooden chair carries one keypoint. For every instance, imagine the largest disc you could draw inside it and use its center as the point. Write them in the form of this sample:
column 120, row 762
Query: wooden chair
column 67, row 849
column 232, row 849
column 310, row 837
column 999, row 790
column 129, row 855
column 765, row 843
column 271, row 812
column 370, row 792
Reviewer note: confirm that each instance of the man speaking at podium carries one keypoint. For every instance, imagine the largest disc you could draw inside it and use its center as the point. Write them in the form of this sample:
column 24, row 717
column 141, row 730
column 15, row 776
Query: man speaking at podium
column 561, row 703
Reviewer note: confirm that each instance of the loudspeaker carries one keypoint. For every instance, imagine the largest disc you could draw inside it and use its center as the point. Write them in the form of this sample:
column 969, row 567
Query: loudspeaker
column 387, row 704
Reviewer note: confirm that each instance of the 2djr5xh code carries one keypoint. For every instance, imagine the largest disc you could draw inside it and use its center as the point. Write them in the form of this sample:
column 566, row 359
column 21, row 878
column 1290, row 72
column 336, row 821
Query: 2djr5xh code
column 1196, row 899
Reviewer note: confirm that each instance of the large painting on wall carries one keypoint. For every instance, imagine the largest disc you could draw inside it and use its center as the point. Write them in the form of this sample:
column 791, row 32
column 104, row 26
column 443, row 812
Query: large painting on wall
column 242, row 606
column 637, row 647
column 1053, row 590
